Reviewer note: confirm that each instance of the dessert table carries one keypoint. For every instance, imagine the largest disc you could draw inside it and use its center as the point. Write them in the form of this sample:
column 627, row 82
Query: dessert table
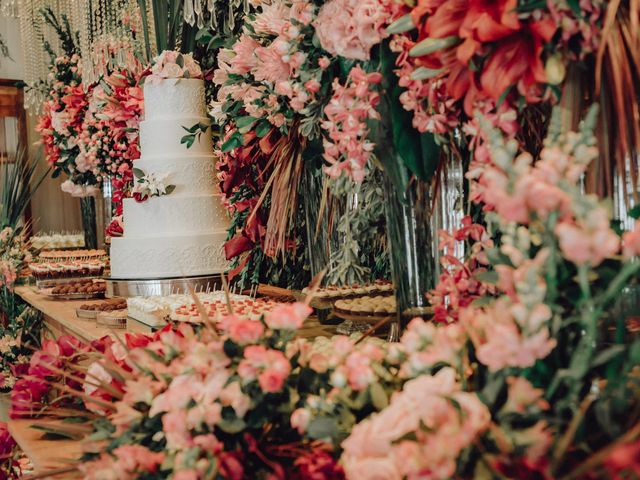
column 59, row 317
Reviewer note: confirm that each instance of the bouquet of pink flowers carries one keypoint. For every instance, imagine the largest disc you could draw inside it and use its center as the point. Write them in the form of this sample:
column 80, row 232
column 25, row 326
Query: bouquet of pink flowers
column 172, row 64
column 237, row 405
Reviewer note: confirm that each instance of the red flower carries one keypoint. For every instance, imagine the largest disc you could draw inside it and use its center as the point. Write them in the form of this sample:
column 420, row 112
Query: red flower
column 624, row 461
column 318, row 465
column 516, row 60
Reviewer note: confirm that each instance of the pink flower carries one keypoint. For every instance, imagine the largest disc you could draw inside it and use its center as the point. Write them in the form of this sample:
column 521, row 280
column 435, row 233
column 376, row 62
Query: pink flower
column 189, row 474
column 288, row 316
column 271, row 380
column 582, row 244
column 232, row 396
column 270, row 66
column 300, row 419
column 379, row 447
column 174, row 425
column 244, row 331
column 631, row 242
column 349, row 28
column 312, row 85
column 245, row 55
column 272, row 19
column 505, row 337
column 324, row 63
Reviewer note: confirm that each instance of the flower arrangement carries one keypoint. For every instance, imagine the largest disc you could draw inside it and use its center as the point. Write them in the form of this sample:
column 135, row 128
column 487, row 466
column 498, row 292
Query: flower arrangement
column 15, row 254
column 17, row 339
column 64, row 110
column 150, row 185
column 172, row 64
column 529, row 348
column 184, row 403
column 10, row 467
column 284, row 97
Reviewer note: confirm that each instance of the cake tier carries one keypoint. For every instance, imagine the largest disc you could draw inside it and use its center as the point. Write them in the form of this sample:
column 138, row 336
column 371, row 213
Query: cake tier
column 173, row 215
column 169, row 256
column 174, row 98
column 162, row 137
column 192, row 175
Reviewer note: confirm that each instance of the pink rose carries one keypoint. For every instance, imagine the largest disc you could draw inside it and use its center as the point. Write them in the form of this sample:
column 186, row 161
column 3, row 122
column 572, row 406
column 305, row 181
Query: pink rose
column 271, row 380
column 288, row 317
column 245, row 331
column 312, row 85
column 171, row 70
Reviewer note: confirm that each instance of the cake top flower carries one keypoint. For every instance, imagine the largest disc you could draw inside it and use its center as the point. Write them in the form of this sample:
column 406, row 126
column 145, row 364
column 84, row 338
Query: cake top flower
column 172, row 64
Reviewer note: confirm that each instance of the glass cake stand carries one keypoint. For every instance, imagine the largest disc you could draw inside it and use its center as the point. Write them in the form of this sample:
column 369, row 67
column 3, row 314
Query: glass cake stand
column 162, row 286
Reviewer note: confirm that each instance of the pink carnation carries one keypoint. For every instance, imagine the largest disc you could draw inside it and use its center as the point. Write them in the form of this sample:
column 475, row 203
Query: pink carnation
column 288, row 317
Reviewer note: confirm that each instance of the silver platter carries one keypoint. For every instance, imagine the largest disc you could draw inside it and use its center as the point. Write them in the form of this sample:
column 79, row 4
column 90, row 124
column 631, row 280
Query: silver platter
column 161, row 287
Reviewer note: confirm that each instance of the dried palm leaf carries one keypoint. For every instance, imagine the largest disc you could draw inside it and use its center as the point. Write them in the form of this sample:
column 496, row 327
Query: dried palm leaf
column 285, row 165
column 617, row 87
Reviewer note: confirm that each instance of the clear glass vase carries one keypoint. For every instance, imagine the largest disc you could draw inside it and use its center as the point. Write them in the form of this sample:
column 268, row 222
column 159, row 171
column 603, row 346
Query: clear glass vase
column 88, row 212
column 409, row 213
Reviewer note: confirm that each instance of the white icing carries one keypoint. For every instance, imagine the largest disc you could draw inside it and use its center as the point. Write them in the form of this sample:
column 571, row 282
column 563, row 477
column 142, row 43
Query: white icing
column 190, row 175
column 183, row 233
column 168, row 257
column 163, row 137
column 171, row 98
column 169, row 215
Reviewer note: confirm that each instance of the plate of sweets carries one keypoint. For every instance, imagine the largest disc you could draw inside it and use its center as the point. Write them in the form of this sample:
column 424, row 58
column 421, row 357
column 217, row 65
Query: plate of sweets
column 325, row 297
column 78, row 290
column 252, row 308
column 91, row 310
column 370, row 309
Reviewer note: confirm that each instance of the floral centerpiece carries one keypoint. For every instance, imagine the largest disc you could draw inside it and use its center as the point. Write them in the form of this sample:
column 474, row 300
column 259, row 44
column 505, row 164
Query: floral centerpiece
column 275, row 83
column 63, row 113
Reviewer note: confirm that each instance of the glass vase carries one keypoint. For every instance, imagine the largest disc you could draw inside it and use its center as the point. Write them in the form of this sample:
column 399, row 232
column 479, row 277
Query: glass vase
column 408, row 212
column 88, row 212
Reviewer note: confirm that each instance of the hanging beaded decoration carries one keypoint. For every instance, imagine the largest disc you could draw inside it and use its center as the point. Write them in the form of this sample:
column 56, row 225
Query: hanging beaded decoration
column 196, row 11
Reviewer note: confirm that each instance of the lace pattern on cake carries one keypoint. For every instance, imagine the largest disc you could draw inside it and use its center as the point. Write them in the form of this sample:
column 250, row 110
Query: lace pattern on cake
column 188, row 100
column 170, row 261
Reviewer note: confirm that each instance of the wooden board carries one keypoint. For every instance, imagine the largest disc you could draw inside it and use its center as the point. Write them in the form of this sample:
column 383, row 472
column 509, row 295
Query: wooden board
column 45, row 455
column 60, row 317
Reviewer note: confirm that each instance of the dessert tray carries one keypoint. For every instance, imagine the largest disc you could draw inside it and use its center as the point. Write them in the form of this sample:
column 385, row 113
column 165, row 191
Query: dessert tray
column 115, row 319
column 91, row 311
column 325, row 297
column 369, row 309
column 72, row 254
column 83, row 289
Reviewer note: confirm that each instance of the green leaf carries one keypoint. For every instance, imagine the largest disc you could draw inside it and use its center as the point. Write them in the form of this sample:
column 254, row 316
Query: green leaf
column 232, row 425
column 401, row 25
column 323, row 428
column 635, row 212
column 180, row 60
column 169, row 190
column 488, row 276
column 378, row 396
column 138, row 173
column 263, row 128
column 234, row 142
column 607, row 355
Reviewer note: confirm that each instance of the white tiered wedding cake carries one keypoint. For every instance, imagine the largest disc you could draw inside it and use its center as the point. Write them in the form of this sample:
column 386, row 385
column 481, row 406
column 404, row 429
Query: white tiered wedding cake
column 181, row 234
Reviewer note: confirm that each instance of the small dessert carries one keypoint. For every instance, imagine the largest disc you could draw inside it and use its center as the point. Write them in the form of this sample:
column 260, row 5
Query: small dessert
column 116, row 319
column 106, row 306
column 378, row 305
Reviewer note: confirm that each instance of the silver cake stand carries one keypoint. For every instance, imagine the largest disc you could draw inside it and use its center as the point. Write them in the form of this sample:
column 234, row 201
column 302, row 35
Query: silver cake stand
column 161, row 286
